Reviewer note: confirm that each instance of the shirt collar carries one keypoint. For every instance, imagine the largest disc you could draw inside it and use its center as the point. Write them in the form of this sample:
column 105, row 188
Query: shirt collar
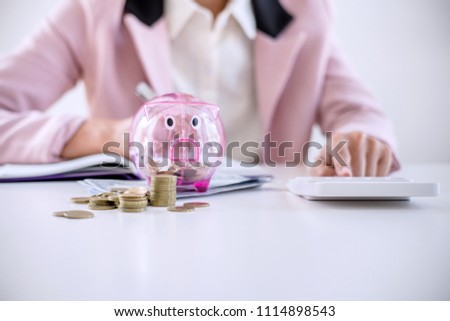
column 179, row 12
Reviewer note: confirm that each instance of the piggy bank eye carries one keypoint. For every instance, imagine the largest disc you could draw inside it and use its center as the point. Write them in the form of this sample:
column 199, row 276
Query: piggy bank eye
column 195, row 122
column 169, row 122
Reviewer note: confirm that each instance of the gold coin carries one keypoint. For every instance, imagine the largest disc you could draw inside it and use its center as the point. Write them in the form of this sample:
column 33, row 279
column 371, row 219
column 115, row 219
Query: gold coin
column 137, row 190
column 101, row 208
column 80, row 200
column 196, row 204
column 133, row 204
column 98, row 199
column 132, row 210
column 102, row 204
column 113, row 198
column 118, row 189
column 132, row 196
column 166, row 173
column 164, row 176
column 78, row 214
column 163, row 190
column 59, row 214
column 180, row 209
column 107, row 194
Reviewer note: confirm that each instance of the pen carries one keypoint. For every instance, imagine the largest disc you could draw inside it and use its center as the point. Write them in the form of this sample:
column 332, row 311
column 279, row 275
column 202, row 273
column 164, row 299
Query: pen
column 144, row 91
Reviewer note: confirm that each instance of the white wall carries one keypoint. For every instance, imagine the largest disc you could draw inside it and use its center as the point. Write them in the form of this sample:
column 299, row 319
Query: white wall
column 18, row 19
column 400, row 48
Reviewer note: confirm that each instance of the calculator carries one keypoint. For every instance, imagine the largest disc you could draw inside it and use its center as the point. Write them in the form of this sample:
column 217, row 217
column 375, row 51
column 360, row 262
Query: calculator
column 360, row 188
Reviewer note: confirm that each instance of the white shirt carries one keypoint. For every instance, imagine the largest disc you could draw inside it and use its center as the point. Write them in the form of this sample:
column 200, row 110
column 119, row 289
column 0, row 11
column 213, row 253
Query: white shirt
column 213, row 60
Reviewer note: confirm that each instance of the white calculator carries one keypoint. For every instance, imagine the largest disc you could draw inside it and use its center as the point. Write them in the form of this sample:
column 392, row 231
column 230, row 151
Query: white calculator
column 360, row 188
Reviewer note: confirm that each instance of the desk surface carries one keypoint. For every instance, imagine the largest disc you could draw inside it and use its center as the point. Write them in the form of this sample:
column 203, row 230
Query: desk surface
column 264, row 244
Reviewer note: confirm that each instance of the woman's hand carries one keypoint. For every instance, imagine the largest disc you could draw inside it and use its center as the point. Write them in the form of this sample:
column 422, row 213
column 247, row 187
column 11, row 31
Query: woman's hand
column 93, row 134
column 362, row 155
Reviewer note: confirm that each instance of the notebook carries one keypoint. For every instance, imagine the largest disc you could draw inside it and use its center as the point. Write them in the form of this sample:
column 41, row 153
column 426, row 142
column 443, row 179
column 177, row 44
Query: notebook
column 100, row 172
column 93, row 166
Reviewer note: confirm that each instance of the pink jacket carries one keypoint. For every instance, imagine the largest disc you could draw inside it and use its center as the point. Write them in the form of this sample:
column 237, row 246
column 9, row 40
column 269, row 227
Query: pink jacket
column 300, row 75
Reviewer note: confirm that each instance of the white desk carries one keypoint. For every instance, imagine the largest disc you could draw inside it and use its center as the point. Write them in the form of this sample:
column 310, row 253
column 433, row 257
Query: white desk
column 255, row 245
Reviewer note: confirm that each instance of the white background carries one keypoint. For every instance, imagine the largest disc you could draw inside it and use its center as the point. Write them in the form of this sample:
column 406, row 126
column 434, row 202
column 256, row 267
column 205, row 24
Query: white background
column 400, row 48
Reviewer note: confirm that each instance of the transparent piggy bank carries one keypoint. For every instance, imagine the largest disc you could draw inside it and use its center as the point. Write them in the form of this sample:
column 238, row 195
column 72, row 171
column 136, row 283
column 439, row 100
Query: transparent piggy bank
column 181, row 135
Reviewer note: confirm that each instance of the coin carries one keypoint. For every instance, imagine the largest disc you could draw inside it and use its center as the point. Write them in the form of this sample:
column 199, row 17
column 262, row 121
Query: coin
column 132, row 210
column 165, row 173
column 180, row 209
column 137, row 190
column 78, row 214
column 163, row 190
column 118, row 189
column 113, row 198
column 106, row 194
column 133, row 204
column 132, row 196
column 101, row 208
column 80, row 200
column 59, row 214
column 98, row 198
column 196, row 204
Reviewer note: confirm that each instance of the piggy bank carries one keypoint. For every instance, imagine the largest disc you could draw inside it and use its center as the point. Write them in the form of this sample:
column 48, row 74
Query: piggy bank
column 181, row 135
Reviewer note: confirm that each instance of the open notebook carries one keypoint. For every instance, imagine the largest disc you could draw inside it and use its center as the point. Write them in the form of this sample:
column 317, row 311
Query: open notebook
column 94, row 166
column 100, row 172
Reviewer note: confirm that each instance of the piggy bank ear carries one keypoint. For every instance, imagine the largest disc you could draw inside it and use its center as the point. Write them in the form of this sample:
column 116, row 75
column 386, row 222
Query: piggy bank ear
column 152, row 109
column 213, row 111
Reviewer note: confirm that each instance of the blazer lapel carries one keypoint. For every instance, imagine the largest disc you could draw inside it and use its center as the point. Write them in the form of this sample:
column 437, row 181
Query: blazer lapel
column 153, row 47
column 274, row 62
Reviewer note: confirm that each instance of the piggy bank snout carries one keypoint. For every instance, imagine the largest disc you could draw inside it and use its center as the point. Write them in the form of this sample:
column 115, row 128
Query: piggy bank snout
column 184, row 149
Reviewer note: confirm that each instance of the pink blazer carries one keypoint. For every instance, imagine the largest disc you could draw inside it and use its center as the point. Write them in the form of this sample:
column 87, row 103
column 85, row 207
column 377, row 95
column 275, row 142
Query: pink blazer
column 301, row 77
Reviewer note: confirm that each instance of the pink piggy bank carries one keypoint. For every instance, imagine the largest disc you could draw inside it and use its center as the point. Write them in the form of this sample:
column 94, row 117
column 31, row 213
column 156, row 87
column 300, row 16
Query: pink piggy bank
column 180, row 134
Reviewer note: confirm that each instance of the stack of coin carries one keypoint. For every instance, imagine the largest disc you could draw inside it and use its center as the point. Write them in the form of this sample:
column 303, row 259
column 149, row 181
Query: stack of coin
column 101, row 203
column 163, row 190
column 132, row 203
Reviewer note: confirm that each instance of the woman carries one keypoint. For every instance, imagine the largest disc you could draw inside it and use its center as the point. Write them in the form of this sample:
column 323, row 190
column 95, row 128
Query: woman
column 272, row 66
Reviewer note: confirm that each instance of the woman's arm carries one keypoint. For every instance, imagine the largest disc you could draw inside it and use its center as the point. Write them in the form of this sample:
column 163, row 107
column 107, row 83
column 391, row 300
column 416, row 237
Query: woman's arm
column 350, row 111
column 32, row 79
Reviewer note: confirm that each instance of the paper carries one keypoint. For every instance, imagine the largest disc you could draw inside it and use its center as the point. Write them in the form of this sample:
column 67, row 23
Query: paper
column 220, row 183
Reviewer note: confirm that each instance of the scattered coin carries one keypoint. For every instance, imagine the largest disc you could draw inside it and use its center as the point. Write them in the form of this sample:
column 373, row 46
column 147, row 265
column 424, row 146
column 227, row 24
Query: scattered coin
column 78, row 214
column 162, row 193
column 180, row 209
column 59, row 214
column 80, row 200
column 196, row 204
